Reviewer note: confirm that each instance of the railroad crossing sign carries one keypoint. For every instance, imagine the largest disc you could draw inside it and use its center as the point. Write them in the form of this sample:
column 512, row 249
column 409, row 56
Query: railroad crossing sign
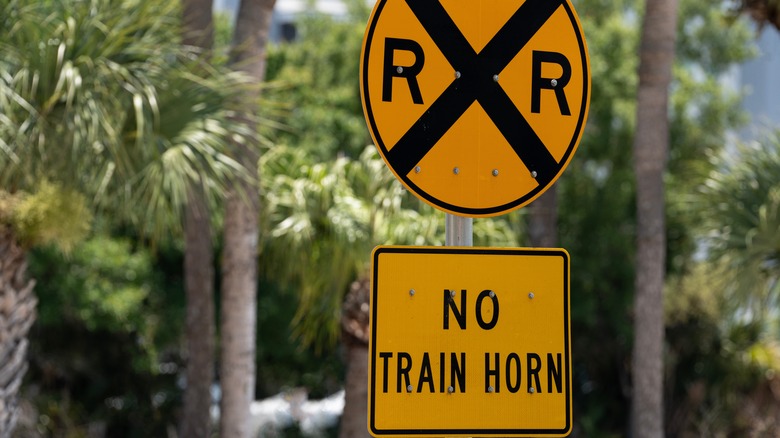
column 477, row 106
column 469, row 342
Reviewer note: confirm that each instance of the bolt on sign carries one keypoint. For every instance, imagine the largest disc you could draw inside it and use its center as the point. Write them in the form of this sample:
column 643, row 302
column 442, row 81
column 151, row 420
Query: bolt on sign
column 477, row 106
column 469, row 342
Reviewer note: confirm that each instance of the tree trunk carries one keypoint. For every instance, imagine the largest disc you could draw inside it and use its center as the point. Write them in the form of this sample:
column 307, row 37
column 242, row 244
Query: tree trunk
column 17, row 314
column 239, row 281
column 200, row 324
column 651, row 146
column 198, row 23
column 354, row 419
column 543, row 220
column 238, row 318
column 198, row 30
column 354, row 324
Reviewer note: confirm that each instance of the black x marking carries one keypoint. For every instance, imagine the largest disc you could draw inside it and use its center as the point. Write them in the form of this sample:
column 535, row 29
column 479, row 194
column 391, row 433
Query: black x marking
column 476, row 84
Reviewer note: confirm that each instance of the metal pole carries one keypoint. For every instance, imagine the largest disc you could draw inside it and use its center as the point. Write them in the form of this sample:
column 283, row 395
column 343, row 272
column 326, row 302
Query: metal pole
column 458, row 231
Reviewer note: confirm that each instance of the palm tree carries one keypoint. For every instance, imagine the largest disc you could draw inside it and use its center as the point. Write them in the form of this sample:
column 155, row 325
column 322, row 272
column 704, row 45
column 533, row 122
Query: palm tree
column 100, row 99
column 16, row 317
column 198, row 31
column 651, row 146
column 741, row 225
column 239, row 259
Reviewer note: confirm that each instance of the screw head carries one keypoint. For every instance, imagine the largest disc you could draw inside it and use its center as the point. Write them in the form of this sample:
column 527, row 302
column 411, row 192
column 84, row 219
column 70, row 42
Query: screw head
column 495, row 78
column 452, row 293
column 399, row 69
column 495, row 172
column 492, row 294
column 490, row 389
column 411, row 292
column 450, row 389
column 531, row 295
column 534, row 174
column 457, row 75
column 554, row 82
column 417, row 169
column 409, row 388
column 531, row 390
column 456, row 171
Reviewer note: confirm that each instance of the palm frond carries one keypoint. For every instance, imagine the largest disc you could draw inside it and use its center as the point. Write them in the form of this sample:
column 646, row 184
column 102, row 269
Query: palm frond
column 322, row 219
column 741, row 201
column 100, row 96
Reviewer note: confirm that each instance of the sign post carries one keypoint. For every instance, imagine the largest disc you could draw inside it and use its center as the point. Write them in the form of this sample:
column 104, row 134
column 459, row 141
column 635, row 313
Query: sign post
column 477, row 107
column 458, row 230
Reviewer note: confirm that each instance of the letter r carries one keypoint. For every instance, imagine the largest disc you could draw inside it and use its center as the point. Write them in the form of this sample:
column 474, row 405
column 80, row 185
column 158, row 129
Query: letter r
column 538, row 82
column 408, row 72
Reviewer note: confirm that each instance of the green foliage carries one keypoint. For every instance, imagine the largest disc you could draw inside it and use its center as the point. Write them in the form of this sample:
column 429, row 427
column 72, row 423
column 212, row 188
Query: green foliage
column 323, row 218
column 72, row 91
column 223, row 36
column 324, row 214
column 105, row 288
column 321, row 221
column 100, row 352
column 714, row 361
column 283, row 364
column 51, row 215
column 100, row 97
column 742, row 222
column 709, row 40
column 189, row 144
column 318, row 74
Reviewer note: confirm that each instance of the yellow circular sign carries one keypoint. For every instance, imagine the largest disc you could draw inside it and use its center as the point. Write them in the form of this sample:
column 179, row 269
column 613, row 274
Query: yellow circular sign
column 477, row 106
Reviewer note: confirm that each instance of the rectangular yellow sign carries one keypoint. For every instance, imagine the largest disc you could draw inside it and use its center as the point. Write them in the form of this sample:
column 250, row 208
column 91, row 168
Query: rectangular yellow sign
column 469, row 342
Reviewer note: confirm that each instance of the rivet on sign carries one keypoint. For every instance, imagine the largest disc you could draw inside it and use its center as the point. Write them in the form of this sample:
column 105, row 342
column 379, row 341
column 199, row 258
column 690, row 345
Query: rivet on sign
column 531, row 390
column 417, row 169
column 490, row 389
column 495, row 172
column 456, row 171
column 457, row 75
column 495, row 78
column 533, row 174
column 531, row 295
column 492, row 294
column 554, row 82
column 399, row 69
column 452, row 293
column 409, row 388
column 411, row 292
column 450, row 389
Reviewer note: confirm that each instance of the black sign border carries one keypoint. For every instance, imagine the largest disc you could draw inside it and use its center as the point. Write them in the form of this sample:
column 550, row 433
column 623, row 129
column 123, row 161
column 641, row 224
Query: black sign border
column 467, row 211
column 468, row 251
